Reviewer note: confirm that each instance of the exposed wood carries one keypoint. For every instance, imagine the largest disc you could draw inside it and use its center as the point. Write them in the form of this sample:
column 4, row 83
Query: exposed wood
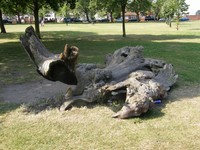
column 143, row 79
column 50, row 66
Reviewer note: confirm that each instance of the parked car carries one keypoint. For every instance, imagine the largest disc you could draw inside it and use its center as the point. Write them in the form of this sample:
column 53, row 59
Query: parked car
column 162, row 19
column 149, row 18
column 75, row 20
column 49, row 20
column 66, row 20
column 184, row 19
column 132, row 20
column 50, row 17
column 102, row 20
column 118, row 20
column 71, row 20
column 7, row 21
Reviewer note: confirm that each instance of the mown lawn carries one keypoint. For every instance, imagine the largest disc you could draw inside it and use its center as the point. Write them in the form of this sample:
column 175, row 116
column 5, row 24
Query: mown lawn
column 172, row 125
column 181, row 48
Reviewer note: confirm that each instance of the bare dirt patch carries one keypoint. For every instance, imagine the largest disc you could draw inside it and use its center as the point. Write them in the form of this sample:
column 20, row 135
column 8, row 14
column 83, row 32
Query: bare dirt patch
column 32, row 91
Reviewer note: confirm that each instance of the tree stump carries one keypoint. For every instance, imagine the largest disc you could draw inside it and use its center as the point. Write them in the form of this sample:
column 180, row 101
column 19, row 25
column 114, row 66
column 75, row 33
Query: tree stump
column 140, row 80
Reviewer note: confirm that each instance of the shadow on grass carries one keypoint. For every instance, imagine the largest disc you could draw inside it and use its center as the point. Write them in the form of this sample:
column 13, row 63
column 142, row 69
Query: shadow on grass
column 55, row 103
column 7, row 107
column 154, row 112
column 44, row 104
column 73, row 37
column 184, row 92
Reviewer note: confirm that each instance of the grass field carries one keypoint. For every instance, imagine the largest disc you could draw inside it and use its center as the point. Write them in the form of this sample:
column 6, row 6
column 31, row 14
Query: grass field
column 94, row 41
column 173, row 125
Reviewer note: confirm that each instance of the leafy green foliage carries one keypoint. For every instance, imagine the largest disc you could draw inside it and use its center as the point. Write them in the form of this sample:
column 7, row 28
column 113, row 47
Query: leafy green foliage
column 173, row 7
column 156, row 8
column 83, row 7
column 139, row 6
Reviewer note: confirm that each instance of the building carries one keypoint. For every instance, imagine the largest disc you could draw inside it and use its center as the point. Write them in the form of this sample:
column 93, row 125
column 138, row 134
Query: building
column 194, row 17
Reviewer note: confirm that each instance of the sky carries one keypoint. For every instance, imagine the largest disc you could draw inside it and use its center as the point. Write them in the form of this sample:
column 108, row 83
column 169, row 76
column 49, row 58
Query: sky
column 194, row 6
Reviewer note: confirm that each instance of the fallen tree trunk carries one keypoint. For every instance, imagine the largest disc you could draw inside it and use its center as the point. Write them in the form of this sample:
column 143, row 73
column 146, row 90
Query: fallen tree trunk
column 126, row 73
column 59, row 67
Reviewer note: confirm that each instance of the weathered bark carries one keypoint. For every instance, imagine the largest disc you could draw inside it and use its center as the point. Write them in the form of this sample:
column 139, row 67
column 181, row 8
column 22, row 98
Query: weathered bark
column 50, row 66
column 126, row 73
column 143, row 80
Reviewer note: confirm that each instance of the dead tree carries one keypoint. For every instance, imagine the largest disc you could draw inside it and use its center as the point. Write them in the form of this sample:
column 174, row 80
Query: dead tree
column 126, row 72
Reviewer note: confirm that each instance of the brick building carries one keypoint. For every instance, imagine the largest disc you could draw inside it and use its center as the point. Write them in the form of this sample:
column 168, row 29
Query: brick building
column 194, row 17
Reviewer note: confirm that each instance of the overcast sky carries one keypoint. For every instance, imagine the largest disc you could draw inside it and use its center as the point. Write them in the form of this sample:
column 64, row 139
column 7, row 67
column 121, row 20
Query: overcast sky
column 194, row 6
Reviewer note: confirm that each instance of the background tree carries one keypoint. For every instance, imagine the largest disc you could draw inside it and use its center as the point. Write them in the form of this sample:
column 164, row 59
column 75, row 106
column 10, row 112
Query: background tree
column 63, row 11
column 110, row 8
column 43, row 11
column 16, row 7
column 181, row 9
column 168, row 10
column 123, row 4
column 171, row 8
column 156, row 8
column 36, row 5
column 2, row 8
column 13, row 7
column 139, row 6
column 198, row 12
column 3, row 30
column 83, row 6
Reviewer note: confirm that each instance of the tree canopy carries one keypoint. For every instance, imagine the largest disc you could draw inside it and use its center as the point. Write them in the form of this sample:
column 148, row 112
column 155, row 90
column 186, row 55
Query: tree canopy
column 173, row 8
column 36, row 5
column 139, row 6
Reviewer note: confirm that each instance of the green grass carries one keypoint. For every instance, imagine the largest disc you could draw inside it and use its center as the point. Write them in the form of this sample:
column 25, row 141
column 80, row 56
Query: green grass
column 95, row 41
column 173, row 125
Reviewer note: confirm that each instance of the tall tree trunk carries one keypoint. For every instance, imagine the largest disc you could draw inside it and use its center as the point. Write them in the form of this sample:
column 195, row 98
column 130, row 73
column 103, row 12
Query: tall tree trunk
column 3, row 30
column 177, row 22
column 36, row 11
column 123, row 7
column 170, row 22
column 19, row 19
column 137, row 16
column 87, row 15
column 111, row 16
column 55, row 18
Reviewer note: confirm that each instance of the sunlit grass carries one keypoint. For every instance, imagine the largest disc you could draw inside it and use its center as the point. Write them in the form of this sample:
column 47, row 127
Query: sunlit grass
column 174, row 126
